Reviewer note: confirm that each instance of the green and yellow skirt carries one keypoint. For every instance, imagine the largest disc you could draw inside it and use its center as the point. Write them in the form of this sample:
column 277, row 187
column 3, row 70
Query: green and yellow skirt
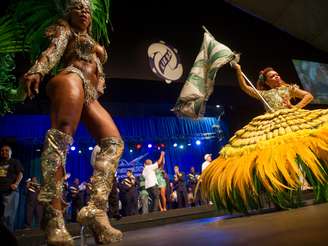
column 274, row 154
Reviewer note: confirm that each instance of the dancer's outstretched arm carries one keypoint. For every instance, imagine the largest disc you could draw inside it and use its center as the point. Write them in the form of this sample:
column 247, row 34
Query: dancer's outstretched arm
column 242, row 83
column 160, row 161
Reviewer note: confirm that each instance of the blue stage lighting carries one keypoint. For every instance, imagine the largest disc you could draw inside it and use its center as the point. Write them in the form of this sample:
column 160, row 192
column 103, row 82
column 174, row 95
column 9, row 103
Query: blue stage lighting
column 80, row 151
column 175, row 145
column 198, row 142
column 181, row 146
column 150, row 145
column 90, row 148
column 131, row 150
column 73, row 148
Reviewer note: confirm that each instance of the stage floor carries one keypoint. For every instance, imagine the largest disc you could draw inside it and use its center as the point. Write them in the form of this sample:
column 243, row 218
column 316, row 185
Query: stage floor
column 303, row 226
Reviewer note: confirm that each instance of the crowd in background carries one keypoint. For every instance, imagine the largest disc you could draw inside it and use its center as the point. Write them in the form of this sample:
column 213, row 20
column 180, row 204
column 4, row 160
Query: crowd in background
column 152, row 190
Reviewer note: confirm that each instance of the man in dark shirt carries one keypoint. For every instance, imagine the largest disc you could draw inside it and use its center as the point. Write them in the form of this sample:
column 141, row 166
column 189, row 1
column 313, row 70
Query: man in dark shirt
column 113, row 201
column 11, row 173
column 128, row 195
column 131, row 195
column 180, row 187
column 193, row 179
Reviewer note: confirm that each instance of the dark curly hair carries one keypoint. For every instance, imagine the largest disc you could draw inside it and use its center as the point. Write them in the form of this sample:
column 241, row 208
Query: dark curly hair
column 260, row 84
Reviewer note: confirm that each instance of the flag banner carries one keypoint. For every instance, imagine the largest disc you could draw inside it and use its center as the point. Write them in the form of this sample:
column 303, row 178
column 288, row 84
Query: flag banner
column 200, row 82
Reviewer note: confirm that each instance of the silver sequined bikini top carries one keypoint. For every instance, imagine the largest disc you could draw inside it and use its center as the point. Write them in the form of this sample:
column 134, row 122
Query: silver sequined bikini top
column 81, row 46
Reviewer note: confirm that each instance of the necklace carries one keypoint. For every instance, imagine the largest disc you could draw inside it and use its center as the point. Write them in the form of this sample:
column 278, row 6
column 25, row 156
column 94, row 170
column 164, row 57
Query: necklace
column 83, row 45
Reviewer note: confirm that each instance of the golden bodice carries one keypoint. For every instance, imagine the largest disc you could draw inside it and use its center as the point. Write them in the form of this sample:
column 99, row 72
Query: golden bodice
column 277, row 97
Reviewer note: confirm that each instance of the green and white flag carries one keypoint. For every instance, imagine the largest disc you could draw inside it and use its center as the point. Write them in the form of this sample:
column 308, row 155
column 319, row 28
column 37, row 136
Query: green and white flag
column 200, row 82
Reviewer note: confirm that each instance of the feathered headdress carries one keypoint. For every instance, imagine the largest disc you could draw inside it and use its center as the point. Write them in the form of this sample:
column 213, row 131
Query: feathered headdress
column 73, row 3
column 36, row 16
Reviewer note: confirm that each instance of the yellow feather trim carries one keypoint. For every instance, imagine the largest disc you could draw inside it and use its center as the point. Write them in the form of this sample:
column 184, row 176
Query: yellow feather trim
column 271, row 156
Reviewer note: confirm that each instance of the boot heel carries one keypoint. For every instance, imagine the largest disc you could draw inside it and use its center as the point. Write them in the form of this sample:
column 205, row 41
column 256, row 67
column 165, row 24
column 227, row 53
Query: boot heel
column 54, row 227
column 83, row 236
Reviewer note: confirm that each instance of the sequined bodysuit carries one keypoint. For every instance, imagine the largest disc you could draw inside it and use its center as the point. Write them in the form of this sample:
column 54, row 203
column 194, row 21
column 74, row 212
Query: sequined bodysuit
column 277, row 97
column 77, row 53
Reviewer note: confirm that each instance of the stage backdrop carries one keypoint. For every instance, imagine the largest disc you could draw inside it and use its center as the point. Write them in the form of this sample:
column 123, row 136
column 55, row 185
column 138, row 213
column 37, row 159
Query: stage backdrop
column 184, row 141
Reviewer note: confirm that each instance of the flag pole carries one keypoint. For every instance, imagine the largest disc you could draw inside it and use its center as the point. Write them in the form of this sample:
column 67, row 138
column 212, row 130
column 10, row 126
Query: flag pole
column 248, row 81
column 257, row 92
column 205, row 29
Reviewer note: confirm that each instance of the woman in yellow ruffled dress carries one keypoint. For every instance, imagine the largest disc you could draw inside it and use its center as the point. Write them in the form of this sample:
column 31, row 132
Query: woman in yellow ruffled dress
column 276, row 153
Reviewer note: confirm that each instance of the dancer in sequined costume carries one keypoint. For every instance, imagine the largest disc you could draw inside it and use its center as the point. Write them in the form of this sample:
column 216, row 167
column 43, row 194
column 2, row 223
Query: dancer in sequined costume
column 73, row 93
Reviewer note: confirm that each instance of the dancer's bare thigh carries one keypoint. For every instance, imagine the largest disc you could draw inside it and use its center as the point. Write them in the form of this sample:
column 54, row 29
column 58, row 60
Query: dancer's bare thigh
column 98, row 121
column 66, row 96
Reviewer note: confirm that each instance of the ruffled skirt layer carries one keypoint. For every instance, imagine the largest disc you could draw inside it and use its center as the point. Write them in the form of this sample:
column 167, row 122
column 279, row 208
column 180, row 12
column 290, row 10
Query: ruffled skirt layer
column 275, row 154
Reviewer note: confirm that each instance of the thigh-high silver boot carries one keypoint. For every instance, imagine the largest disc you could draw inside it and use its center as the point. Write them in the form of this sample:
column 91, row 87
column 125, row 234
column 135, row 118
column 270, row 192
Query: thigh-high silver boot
column 94, row 215
column 54, row 157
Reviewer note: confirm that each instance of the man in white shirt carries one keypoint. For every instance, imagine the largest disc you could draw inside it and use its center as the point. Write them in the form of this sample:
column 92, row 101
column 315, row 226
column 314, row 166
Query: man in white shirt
column 208, row 160
column 151, row 183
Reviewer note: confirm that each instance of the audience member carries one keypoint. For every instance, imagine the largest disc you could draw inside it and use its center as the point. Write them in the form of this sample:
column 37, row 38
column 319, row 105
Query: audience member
column 131, row 194
column 208, row 160
column 123, row 189
column 113, row 201
column 76, row 198
column 151, row 183
column 143, row 195
column 180, row 187
column 162, row 188
column 11, row 174
column 193, row 179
